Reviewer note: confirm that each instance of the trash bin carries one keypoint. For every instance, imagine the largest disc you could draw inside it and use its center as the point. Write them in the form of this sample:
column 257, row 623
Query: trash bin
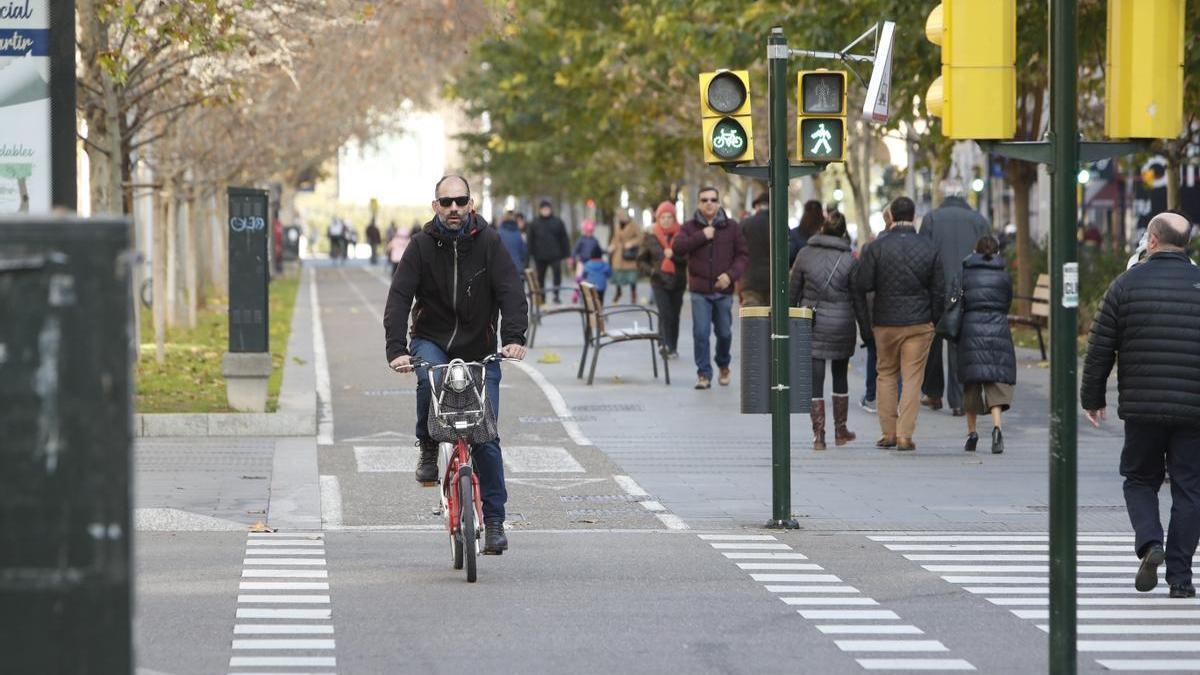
column 756, row 359
column 65, row 439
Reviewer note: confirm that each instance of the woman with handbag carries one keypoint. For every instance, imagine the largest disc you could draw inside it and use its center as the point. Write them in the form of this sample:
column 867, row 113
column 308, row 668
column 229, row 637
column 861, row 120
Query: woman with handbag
column 668, row 275
column 822, row 278
column 623, row 249
column 987, row 362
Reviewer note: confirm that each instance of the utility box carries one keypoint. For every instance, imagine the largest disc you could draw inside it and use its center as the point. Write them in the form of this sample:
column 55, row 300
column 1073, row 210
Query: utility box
column 66, row 432
column 756, row 359
column 247, row 364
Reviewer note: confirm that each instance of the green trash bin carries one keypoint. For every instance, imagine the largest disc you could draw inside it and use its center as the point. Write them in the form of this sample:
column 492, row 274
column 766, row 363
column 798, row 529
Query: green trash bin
column 756, row 359
column 65, row 439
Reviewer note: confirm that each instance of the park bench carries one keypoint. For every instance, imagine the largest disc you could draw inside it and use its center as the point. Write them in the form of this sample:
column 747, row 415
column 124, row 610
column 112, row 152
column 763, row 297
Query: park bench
column 599, row 335
column 1039, row 310
column 538, row 309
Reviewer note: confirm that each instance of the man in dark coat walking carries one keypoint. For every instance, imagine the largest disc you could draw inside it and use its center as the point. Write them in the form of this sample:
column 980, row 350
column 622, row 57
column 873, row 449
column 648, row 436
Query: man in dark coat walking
column 1150, row 316
column 756, row 230
column 954, row 228
column 548, row 245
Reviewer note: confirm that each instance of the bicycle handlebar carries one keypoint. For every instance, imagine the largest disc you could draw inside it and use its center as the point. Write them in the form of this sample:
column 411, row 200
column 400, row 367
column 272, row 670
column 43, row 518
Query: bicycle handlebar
column 416, row 362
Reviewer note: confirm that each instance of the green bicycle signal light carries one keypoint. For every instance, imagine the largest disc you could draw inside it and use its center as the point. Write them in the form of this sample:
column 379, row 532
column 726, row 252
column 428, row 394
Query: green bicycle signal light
column 726, row 123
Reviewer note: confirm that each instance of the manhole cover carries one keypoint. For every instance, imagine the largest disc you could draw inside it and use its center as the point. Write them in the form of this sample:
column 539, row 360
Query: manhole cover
column 598, row 513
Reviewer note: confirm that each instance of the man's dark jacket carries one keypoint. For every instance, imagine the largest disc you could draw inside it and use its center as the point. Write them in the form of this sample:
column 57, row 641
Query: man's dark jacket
column 708, row 259
column 756, row 230
column 460, row 284
column 955, row 228
column 1150, row 319
column 904, row 271
column 548, row 241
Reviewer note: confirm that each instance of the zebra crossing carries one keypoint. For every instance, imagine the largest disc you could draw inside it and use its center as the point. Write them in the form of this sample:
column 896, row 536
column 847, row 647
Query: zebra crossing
column 1115, row 622
column 284, row 614
column 875, row 636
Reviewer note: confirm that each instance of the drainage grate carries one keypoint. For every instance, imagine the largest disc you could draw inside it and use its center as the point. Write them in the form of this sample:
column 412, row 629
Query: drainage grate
column 610, row 407
column 600, row 498
column 553, row 419
column 600, row 513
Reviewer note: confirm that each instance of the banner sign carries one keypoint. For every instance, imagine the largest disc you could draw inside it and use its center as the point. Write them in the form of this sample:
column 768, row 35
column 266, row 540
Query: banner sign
column 24, row 106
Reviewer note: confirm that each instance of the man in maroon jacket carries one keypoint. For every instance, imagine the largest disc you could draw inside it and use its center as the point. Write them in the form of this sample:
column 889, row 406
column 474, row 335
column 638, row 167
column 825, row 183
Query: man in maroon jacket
column 717, row 257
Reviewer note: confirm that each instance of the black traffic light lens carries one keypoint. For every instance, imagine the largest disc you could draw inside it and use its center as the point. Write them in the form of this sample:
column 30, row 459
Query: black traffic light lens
column 726, row 93
column 822, row 93
column 729, row 139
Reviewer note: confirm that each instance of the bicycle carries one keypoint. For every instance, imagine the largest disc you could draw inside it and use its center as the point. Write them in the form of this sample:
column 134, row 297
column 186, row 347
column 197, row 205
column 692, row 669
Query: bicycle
column 460, row 416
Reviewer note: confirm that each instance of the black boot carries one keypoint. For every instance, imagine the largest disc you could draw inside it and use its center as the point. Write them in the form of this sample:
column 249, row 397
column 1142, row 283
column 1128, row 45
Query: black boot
column 427, row 468
column 494, row 541
column 997, row 441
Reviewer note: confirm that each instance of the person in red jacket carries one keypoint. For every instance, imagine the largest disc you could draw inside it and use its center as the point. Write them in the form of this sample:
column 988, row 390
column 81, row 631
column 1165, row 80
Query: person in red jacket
column 716, row 257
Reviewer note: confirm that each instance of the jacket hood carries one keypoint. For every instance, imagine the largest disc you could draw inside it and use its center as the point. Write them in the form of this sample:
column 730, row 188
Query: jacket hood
column 471, row 228
column 955, row 200
column 719, row 220
column 829, row 241
column 977, row 260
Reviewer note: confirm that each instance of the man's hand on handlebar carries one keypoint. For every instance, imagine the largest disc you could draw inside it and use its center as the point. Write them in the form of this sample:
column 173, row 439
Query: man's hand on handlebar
column 514, row 351
column 402, row 364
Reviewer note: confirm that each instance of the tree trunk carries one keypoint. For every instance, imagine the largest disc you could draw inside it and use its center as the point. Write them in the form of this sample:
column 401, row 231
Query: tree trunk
column 1021, row 181
column 188, row 229
column 172, row 295
column 858, row 174
column 159, row 276
column 102, row 113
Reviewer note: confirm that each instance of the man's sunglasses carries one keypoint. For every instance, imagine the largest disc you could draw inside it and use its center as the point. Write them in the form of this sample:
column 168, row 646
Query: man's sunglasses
column 447, row 201
column 705, row 200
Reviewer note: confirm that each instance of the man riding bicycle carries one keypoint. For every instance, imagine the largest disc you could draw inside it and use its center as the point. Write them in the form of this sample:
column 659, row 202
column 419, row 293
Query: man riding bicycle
column 461, row 277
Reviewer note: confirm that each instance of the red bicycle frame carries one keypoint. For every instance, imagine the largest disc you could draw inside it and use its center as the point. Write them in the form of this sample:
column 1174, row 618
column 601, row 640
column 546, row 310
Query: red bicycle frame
column 459, row 458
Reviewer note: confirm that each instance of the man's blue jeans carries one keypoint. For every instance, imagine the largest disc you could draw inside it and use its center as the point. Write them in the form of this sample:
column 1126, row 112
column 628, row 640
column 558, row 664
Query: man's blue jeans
column 489, row 464
column 715, row 310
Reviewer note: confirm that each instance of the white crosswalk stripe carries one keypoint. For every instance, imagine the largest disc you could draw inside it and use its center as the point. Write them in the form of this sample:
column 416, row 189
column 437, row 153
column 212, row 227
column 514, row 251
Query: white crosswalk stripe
column 1011, row 571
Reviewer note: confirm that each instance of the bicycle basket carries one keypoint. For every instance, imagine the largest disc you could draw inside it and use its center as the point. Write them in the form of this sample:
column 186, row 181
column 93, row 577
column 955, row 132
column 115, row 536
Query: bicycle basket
column 465, row 414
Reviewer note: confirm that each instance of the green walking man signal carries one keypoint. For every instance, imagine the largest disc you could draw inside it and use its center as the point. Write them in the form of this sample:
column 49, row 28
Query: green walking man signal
column 821, row 123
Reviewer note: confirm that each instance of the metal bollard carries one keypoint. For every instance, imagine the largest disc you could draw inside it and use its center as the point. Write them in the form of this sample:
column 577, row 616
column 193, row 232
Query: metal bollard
column 756, row 359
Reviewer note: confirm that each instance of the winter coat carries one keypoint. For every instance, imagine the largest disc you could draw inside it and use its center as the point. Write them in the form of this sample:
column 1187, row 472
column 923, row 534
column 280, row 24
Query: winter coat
column 823, row 277
column 985, row 345
column 630, row 235
column 757, row 232
column 548, row 241
column 455, row 287
column 1150, row 316
column 510, row 234
column 650, row 264
column 955, row 228
column 586, row 248
column 708, row 259
column 905, row 272
column 597, row 272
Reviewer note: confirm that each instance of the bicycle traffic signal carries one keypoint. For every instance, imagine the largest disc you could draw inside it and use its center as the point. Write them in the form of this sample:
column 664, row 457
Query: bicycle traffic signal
column 1143, row 74
column 726, row 121
column 821, row 118
column 976, row 95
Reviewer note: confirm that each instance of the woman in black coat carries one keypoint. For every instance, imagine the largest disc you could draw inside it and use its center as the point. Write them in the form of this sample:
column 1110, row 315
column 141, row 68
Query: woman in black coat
column 987, row 363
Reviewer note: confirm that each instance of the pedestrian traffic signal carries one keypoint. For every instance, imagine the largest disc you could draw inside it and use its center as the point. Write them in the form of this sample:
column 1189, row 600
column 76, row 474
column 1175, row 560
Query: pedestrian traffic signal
column 976, row 95
column 1143, row 74
column 726, row 121
column 821, row 124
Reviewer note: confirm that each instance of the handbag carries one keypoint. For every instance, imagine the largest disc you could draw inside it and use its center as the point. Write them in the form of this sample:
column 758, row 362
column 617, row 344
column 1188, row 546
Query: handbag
column 949, row 326
column 629, row 253
column 824, row 288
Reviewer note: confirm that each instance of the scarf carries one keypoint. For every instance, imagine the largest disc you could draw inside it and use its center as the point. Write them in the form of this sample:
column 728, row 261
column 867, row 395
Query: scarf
column 666, row 237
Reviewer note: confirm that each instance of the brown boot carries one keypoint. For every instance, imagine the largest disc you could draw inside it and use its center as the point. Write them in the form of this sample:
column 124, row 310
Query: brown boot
column 841, row 407
column 818, row 422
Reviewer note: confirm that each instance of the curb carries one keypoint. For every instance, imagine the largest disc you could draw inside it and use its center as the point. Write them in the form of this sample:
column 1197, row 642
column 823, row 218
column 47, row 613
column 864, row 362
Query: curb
column 297, row 415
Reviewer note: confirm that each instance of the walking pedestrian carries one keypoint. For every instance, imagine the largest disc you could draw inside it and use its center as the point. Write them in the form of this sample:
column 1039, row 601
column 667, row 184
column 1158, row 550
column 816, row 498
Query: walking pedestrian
column 716, row 258
column 337, row 239
column 1151, row 316
column 822, row 279
column 396, row 246
column 510, row 234
column 954, row 228
column 812, row 219
column 623, row 248
column 905, row 273
column 870, row 372
column 756, row 230
column 987, row 363
column 586, row 247
column 668, row 275
column 374, row 239
column 597, row 273
column 548, row 246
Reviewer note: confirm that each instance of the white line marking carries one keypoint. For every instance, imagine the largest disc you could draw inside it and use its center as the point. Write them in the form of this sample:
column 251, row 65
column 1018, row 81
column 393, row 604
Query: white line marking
column 891, row 645
column 283, row 586
column 846, row 614
column 816, row 579
column 285, row 542
column 1133, row 629
column 775, row 566
column 1126, row 614
column 868, row 629
column 783, row 577
column 263, row 552
column 1043, row 590
column 321, row 366
column 1083, row 569
column 331, row 501
column 1020, row 579
column 284, row 561
column 1000, row 557
column 284, row 535
column 1186, row 665
column 283, row 644
column 631, row 487
column 385, row 458
column 283, row 599
column 751, row 547
column 835, row 602
column 1033, row 548
column 765, row 556
column 1106, row 602
column 282, row 661
column 811, row 589
column 281, row 629
column 285, row 574
column 1139, row 646
column 915, row 664
column 672, row 521
column 264, row 613
column 372, row 307
column 735, row 537
column 652, row 506
column 557, row 402
column 540, row 459
column 995, row 538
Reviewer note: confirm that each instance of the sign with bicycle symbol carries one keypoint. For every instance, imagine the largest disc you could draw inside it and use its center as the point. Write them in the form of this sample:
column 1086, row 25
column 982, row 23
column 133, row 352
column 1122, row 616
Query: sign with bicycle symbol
column 729, row 139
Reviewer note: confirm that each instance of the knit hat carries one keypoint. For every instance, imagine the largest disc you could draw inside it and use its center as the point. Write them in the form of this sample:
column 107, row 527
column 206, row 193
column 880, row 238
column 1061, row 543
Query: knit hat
column 665, row 207
column 587, row 226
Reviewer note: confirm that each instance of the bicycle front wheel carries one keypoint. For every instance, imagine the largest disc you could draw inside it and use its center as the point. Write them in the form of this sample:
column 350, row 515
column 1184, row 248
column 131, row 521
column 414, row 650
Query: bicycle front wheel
column 466, row 522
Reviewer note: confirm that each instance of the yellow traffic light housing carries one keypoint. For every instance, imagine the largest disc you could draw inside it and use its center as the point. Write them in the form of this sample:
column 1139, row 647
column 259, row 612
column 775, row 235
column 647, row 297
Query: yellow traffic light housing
column 728, row 130
column 1143, row 74
column 976, row 95
column 821, row 119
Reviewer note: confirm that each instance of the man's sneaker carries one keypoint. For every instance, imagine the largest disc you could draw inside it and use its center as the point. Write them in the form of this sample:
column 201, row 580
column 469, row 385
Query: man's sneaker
column 931, row 402
column 427, row 468
column 1147, row 574
column 1183, row 591
column 723, row 377
column 703, row 382
column 494, row 541
column 868, row 404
